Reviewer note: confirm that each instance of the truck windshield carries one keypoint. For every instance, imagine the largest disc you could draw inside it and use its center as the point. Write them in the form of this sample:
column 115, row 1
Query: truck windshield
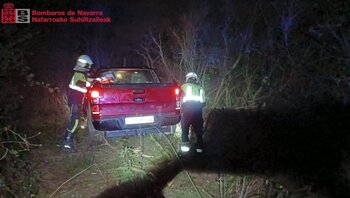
column 127, row 76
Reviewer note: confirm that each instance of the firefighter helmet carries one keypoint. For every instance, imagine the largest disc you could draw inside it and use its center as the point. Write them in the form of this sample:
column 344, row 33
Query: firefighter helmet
column 83, row 64
column 191, row 77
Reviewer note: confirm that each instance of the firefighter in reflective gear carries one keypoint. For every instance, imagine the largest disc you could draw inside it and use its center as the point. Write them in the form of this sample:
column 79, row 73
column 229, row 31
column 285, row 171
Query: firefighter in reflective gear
column 76, row 93
column 193, row 101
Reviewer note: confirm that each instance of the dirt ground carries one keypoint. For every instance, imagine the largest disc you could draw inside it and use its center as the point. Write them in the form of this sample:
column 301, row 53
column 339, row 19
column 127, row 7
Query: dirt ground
column 90, row 170
column 243, row 144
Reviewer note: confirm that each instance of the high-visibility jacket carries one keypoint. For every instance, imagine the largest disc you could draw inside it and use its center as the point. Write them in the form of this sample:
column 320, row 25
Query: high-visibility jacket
column 79, row 82
column 193, row 93
column 77, row 87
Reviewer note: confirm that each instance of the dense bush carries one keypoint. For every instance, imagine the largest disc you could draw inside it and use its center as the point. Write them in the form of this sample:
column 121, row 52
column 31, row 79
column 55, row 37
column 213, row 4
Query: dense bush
column 17, row 175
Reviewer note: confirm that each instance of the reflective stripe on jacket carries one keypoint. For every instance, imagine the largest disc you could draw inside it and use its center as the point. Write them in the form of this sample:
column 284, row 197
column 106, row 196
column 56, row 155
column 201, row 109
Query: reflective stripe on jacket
column 193, row 92
column 79, row 82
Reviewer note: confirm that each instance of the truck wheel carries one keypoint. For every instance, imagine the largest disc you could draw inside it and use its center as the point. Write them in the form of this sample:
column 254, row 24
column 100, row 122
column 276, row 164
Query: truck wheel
column 94, row 135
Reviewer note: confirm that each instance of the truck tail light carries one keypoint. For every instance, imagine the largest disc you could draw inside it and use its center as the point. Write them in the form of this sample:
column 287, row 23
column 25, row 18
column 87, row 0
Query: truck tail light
column 177, row 105
column 94, row 94
column 177, row 91
column 95, row 109
column 177, row 95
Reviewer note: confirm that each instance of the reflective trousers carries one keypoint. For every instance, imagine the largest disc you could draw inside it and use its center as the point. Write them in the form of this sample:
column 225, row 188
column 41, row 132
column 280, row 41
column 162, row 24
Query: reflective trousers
column 74, row 117
column 191, row 115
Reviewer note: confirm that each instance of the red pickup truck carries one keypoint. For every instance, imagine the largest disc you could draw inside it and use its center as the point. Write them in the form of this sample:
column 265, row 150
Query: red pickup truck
column 131, row 101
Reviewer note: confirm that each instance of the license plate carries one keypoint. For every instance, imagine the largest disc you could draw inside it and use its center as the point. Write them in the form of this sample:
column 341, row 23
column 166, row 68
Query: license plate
column 139, row 120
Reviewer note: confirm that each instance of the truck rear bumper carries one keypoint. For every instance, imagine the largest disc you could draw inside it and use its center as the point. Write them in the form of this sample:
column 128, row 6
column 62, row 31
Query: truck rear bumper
column 140, row 131
column 118, row 123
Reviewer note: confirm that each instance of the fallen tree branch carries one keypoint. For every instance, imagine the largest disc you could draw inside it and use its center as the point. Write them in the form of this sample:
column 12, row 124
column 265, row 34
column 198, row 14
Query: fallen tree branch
column 70, row 179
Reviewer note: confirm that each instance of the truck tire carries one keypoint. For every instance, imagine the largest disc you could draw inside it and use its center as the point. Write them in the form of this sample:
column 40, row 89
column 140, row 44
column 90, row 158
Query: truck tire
column 94, row 135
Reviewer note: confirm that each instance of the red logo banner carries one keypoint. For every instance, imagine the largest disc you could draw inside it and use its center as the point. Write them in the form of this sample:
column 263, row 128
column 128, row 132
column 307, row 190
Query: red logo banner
column 8, row 13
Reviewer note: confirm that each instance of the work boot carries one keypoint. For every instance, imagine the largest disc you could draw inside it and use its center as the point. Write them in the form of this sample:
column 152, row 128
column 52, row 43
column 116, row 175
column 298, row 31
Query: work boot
column 199, row 147
column 185, row 153
column 185, row 147
column 199, row 150
column 68, row 141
